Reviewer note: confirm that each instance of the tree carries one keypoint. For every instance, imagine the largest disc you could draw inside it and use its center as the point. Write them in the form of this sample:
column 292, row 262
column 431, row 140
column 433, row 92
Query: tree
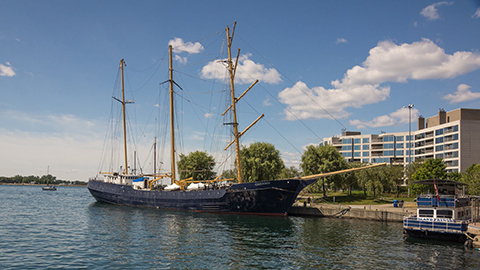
column 291, row 172
column 261, row 161
column 472, row 178
column 198, row 165
column 431, row 169
column 393, row 177
column 228, row 174
column 412, row 168
column 322, row 159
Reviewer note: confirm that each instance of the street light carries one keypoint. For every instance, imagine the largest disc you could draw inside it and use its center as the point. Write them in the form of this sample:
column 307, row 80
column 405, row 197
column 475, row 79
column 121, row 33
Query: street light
column 410, row 106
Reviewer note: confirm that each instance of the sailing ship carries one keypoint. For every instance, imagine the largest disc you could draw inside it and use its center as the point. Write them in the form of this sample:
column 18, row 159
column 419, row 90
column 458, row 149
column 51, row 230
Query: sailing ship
column 273, row 197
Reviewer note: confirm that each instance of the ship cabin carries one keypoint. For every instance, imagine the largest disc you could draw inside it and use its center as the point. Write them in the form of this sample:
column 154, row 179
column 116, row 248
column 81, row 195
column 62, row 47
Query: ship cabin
column 451, row 202
column 116, row 178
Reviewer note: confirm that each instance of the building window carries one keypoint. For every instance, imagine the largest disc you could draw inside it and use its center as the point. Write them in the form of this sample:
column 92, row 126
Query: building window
column 388, row 139
column 366, row 140
column 365, row 160
column 366, row 147
column 439, row 148
column 347, row 141
column 366, row 154
column 439, row 140
column 356, row 147
column 356, row 141
column 388, row 146
column 399, row 138
column 356, row 154
column 439, row 132
column 347, row 154
column 387, row 153
column 399, row 145
column 346, row 147
column 420, row 136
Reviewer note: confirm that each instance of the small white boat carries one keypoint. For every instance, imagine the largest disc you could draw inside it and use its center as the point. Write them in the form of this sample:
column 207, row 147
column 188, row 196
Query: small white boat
column 51, row 188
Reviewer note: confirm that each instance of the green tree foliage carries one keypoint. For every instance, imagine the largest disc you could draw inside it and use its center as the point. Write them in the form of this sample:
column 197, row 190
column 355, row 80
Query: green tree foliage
column 291, row 172
column 455, row 176
column 431, row 169
column 380, row 179
column 198, row 165
column 412, row 169
column 472, row 178
column 228, row 174
column 393, row 175
column 33, row 179
column 323, row 159
column 261, row 161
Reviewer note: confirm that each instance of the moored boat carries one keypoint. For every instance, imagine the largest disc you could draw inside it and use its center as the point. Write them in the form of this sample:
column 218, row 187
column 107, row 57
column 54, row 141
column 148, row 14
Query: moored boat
column 274, row 197
column 443, row 215
column 49, row 188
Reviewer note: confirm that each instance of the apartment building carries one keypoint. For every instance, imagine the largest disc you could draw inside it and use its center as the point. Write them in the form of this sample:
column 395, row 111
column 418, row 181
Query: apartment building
column 453, row 136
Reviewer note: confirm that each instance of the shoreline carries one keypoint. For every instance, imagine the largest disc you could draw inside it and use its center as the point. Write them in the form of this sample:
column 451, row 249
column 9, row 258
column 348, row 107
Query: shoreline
column 40, row 185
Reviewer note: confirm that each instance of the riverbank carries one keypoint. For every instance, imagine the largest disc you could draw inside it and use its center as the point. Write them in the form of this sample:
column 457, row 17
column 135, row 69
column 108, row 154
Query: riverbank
column 40, row 185
column 384, row 212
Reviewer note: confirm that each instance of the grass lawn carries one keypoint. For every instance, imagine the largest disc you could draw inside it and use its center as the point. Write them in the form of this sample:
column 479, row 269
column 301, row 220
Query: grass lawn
column 357, row 198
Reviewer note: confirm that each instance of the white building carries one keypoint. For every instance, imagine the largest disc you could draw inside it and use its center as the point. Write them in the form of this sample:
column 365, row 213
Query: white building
column 453, row 136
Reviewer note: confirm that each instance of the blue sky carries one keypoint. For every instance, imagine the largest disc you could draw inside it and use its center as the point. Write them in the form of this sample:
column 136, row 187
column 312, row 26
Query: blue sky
column 327, row 65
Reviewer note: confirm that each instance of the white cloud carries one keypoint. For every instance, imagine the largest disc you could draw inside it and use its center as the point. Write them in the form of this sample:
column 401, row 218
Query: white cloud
column 7, row 70
column 267, row 102
column 318, row 102
column 361, row 85
column 180, row 46
column 462, row 94
column 247, row 71
column 341, row 40
column 182, row 60
column 477, row 14
column 419, row 61
column 400, row 116
column 431, row 12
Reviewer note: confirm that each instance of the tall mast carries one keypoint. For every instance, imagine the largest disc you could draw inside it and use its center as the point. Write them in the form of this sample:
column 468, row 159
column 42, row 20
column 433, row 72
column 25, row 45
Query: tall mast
column 122, row 63
column 172, row 125
column 155, row 150
column 234, row 109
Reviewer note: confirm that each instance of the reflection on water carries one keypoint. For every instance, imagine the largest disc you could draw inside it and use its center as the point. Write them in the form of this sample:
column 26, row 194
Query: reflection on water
column 68, row 229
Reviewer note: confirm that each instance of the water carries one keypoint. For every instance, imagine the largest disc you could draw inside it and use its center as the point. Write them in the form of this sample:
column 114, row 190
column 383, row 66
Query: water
column 67, row 229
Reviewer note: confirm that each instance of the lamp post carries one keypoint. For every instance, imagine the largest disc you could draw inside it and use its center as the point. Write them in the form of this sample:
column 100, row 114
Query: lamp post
column 410, row 106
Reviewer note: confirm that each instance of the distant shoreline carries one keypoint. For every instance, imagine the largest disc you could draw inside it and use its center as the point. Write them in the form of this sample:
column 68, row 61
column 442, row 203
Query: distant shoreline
column 27, row 184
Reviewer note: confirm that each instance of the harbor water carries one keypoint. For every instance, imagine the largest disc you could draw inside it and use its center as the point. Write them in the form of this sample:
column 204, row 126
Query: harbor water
column 67, row 229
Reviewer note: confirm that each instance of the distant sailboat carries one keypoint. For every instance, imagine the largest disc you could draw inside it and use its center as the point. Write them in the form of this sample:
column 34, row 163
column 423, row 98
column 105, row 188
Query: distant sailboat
column 48, row 187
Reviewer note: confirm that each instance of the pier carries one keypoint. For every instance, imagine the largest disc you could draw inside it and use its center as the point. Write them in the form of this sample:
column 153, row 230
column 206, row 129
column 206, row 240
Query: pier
column 384, row 212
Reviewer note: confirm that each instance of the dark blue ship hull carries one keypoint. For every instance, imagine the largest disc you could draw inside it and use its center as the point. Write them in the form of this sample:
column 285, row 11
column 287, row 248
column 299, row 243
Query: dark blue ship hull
column 260, row 198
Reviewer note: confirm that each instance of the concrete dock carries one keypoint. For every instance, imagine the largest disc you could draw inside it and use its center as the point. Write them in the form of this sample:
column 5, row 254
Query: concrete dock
column 384, row 212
